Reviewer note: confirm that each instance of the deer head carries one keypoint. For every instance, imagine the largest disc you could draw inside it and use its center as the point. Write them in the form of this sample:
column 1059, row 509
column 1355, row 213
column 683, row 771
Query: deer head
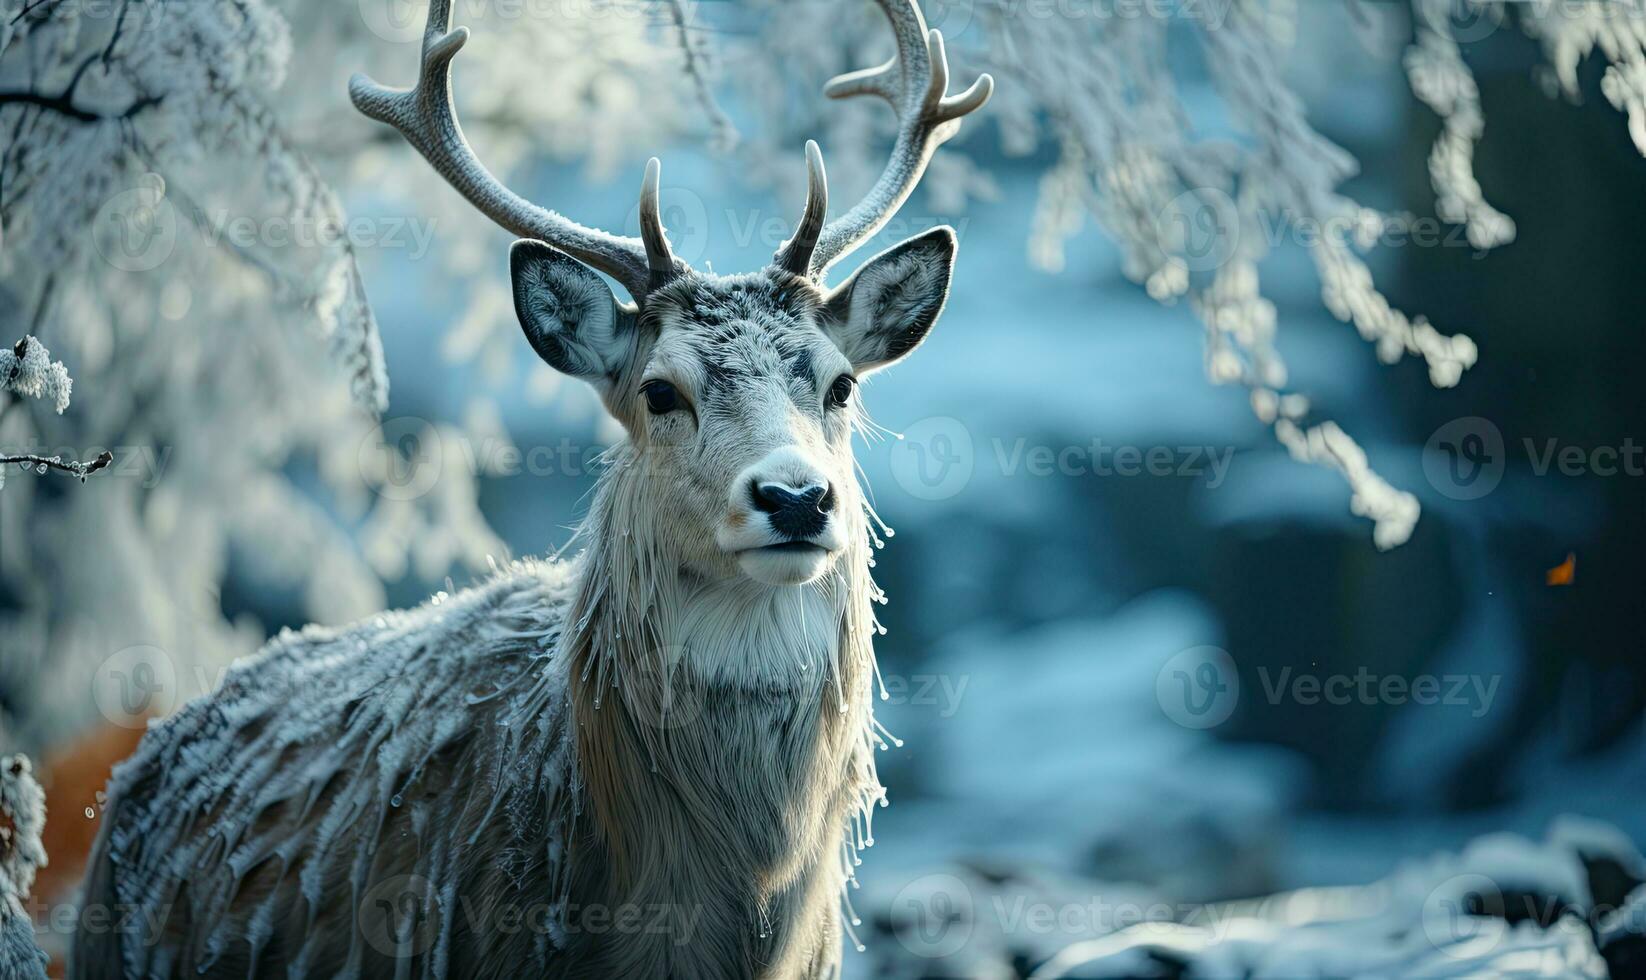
column 738, row 393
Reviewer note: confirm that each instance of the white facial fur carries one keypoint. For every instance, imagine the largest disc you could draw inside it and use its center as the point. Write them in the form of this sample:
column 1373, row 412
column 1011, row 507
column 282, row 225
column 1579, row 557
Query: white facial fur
column 731, row 390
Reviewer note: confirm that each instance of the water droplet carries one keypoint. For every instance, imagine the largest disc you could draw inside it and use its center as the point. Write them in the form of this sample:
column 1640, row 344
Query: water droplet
column 90, row 813
column 395, row 800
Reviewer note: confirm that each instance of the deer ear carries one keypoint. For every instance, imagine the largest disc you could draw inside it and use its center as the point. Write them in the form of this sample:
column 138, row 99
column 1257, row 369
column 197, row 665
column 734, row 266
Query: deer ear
column 889, row 304
column 569, row 313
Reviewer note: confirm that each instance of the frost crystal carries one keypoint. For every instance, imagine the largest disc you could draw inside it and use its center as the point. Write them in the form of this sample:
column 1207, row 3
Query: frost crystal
column 28, row 369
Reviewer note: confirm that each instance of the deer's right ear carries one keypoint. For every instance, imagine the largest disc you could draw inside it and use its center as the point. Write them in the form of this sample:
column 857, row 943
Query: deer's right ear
column 569, row 313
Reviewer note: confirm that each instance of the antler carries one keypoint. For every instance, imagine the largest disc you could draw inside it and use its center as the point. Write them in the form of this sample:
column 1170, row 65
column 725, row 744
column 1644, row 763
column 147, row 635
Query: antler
column 916, row 83
column 425, row 117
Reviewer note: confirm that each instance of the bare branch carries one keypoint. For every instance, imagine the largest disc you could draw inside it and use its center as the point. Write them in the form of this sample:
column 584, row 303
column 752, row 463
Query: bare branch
column 74, row 467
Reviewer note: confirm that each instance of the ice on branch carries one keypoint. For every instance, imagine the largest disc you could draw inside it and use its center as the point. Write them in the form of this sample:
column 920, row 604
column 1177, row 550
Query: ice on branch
column 1180, row 134
column 27, row 369
column 168, row 218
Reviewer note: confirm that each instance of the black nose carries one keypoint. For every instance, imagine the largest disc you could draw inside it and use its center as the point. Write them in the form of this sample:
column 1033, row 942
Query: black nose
column 794, row 513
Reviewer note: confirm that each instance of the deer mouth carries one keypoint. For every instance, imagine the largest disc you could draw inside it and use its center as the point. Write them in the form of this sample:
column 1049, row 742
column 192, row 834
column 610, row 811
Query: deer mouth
column 784, row 563
column 792, row 547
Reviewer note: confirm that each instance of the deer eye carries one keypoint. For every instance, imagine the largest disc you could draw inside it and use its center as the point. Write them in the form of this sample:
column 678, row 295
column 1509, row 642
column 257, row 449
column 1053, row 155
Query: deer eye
column 661, row 397
column 841, row 391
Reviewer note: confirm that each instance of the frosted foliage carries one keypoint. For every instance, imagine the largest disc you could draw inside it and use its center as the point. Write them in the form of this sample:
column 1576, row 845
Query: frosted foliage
column 27, row 369
column 1440, row 78
column 1193, row 206
column 22, row 818
column 1571, row 32
column 227, row 371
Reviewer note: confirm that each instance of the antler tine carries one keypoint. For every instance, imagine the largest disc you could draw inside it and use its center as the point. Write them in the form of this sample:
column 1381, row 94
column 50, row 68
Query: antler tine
column 659, row 259
column 424, row 115
column 916, row 83
column 796, row 254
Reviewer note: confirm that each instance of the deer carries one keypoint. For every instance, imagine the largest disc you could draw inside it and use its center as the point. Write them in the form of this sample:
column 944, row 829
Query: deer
column 654, row 758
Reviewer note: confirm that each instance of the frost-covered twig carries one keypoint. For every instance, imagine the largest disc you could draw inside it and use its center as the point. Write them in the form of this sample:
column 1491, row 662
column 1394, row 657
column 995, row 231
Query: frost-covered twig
column 40, row 464
column 27, row 369
column 723, row 132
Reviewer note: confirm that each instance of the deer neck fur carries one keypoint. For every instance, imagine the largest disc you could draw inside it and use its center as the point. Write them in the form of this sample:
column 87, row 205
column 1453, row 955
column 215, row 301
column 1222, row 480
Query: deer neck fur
column 726, row 749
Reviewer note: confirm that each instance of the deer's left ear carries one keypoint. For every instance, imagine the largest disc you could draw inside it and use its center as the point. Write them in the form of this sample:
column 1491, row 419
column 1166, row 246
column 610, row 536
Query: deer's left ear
column 889, row 304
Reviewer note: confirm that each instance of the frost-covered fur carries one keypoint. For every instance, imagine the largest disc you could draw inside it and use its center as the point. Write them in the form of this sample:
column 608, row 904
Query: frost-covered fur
column 22, row 818
column 647, row 761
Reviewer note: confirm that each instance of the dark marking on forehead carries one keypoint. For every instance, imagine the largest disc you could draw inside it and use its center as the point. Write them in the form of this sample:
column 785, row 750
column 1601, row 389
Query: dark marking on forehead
column 742, row 327
column 800, row 365
column 719, row 374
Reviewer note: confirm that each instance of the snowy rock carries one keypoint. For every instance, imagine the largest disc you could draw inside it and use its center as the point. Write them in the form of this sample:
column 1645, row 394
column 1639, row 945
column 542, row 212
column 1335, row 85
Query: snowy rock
column 1503, row 906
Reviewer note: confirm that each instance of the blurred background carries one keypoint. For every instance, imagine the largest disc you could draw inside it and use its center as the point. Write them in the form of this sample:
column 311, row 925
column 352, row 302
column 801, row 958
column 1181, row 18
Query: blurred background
column 1143, row 652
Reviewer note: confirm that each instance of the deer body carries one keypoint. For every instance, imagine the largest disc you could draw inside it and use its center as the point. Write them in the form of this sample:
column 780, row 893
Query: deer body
column 652, row 760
